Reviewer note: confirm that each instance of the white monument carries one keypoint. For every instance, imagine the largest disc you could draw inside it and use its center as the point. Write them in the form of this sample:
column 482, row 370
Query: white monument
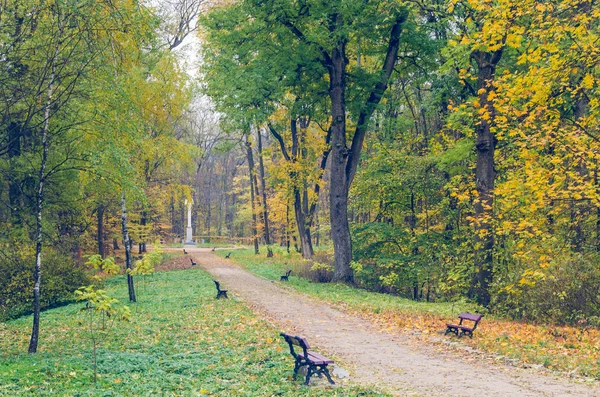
column 189, row 239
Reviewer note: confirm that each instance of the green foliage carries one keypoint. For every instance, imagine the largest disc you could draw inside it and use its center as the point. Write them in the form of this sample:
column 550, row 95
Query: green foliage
column 98, row 301
column 61, row 278
column 144, row 266
column 106, row 265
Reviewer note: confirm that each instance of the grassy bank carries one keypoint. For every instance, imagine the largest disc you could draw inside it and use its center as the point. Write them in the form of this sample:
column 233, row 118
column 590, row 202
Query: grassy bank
column 559, row 348
column 180, row 342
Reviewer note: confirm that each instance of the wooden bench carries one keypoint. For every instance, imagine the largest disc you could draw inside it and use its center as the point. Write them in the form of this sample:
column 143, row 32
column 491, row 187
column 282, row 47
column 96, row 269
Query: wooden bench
column 221, row 293
column 286, row 276
column 460, row 329
column 316, row 364
column 193, row 263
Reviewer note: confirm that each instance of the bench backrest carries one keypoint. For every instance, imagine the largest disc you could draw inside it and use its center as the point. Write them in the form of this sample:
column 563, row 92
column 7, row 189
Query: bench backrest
column 296, row 341
column 470, row 316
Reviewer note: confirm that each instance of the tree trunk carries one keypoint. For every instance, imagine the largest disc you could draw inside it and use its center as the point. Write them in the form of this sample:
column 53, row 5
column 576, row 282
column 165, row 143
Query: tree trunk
column 257, row 200
column 173, row 218
column 100, row 235
column 287, row 226
column 344, row 161
column 484, row 178
column 318, row 226
column 338, row 185
column 303, row 228
column 127, row 244
column 39, row 206
column 250, row 159
column 209, row 199
column 224, row 198
column 143, row 235
column 302, row 212
column 261, row 170
column 229, row 209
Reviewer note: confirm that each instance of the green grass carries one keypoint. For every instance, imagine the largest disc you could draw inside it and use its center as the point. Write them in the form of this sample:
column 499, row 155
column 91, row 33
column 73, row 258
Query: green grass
column 180, row 342
column 348, row 296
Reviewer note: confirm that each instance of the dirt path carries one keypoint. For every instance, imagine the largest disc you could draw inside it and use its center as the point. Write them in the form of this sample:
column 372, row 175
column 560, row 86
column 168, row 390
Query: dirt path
column 394, row 362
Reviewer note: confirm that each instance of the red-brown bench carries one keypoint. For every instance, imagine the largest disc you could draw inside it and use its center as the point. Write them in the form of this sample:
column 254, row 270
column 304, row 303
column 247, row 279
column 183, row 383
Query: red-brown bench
column 460, row 329
column 316, row 364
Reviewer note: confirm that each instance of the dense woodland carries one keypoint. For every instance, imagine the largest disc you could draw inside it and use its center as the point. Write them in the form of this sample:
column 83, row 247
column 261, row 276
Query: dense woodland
column 437, row 150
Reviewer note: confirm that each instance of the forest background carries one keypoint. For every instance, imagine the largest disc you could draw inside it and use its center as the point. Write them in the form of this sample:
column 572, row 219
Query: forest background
column 436, row 150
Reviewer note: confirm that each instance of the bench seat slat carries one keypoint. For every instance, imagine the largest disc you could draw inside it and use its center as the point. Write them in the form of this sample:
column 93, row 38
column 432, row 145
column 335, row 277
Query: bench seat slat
column 459, row 327
column 316, row 358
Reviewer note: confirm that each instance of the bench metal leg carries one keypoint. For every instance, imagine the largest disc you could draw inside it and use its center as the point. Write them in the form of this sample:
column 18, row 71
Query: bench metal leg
column 452, row 330
column 326, row 372
column 296, row 368
column 319, row 370
column 309, row 373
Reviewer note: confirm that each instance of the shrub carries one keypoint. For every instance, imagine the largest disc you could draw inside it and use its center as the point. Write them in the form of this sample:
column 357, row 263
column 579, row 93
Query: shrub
column 566, row 291
column 314, row 271
column 60, row 278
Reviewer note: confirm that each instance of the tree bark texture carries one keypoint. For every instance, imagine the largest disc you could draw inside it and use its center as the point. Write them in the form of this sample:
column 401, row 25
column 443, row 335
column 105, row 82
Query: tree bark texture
column 100, row 236
column 250, row 158
column 261, row 169
column 39, row 207
column 127, row 244
column 339, row 184
column 143, row 222
column 344, row 161
column 485, row 175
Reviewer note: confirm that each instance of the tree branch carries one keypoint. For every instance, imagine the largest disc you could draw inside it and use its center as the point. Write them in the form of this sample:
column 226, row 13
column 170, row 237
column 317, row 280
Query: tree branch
column 280, row 140
column 375, row 97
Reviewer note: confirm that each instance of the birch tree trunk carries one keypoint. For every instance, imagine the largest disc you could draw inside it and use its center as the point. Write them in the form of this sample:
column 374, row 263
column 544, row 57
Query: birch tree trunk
column 39, row 205
column 127, row 244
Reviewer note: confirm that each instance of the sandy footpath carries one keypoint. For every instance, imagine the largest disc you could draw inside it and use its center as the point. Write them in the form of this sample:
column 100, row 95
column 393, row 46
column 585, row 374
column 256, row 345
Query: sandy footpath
column 396, row 363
